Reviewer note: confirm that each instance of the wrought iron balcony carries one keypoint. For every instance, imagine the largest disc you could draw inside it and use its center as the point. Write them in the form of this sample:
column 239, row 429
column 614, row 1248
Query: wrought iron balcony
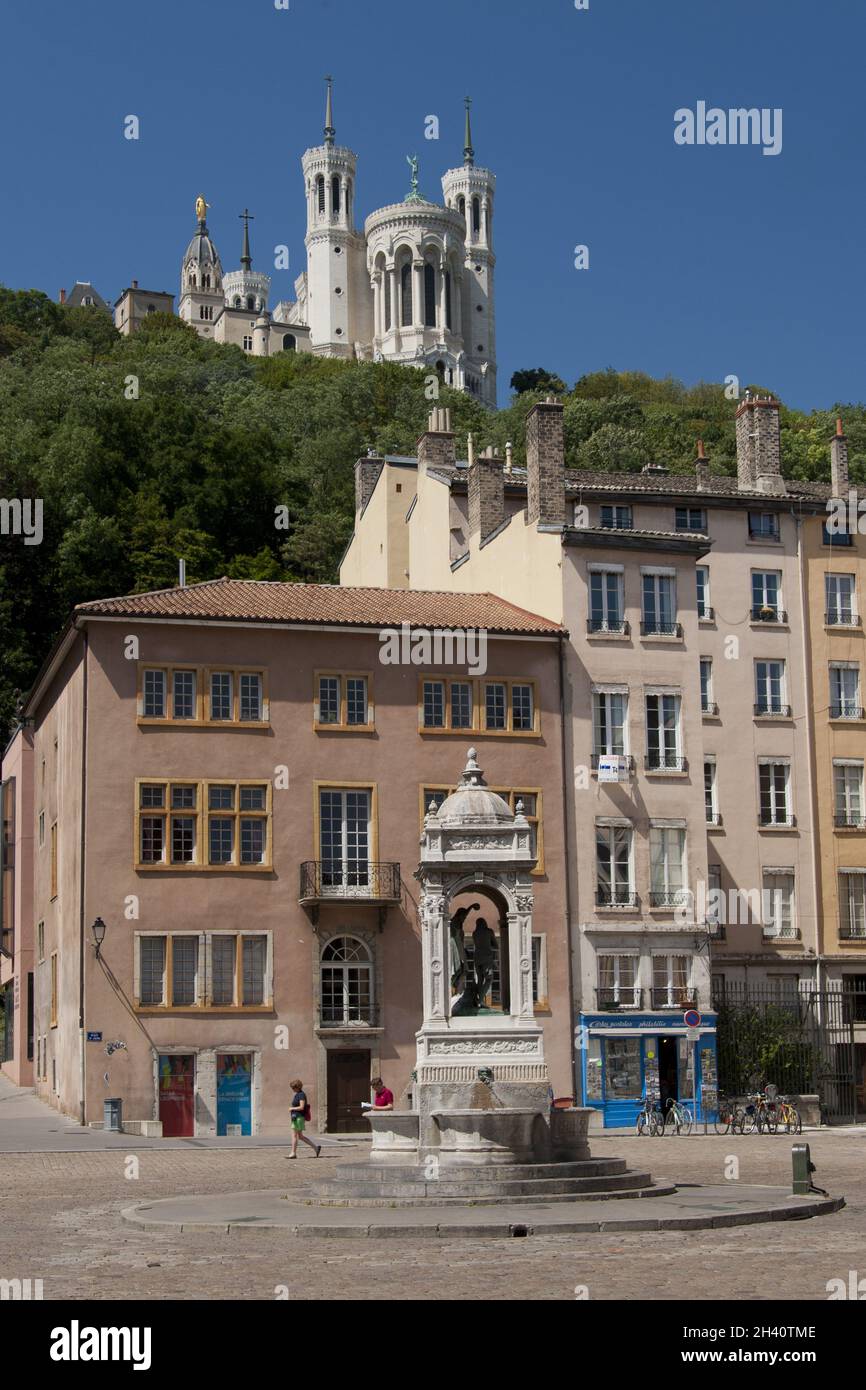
column 766, row 709
column 324, row 881
column 654, row 627
column 766, row 821
column 623, row 998
column 600, row 626
column 615, row 897
column 836, row 618
column 852, row 933
column 844, row 710
column 709, row 707
column 707, row 613
column 663, row 762
column 768, row 613
column 672, row 997
column 847, row 820
column 351, row 1019
column 668, row 898
column 595, row 757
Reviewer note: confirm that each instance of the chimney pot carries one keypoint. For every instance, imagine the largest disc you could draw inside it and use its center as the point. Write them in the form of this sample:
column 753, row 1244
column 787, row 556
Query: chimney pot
column 62, row 296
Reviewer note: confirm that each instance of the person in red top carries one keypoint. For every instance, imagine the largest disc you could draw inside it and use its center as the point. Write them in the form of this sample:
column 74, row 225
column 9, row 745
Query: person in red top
column 384, row 1098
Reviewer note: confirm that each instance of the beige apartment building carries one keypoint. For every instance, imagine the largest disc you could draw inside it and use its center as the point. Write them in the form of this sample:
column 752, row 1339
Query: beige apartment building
column 227, row 784
column 835, row 579
column 16, row 909
column 691, row 821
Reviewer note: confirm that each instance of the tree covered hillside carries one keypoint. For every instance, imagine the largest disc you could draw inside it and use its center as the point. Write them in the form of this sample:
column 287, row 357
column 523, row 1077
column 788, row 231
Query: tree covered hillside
column 162, row 445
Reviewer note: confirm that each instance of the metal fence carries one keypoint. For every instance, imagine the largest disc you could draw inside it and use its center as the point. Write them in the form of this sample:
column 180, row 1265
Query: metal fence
column 805, row 1042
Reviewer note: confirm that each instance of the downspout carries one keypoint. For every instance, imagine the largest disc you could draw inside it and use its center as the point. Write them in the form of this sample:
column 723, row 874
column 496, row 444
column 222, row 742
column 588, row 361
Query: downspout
column 81, row 896
column 805, row 630
column 566, row 863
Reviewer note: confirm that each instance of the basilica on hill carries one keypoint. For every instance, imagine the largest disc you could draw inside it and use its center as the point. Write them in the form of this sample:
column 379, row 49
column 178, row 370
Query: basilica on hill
column 414, row 286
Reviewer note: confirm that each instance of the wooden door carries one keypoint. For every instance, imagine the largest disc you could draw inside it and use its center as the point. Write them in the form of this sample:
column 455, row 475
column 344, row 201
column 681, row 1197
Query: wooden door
column 348, row 1085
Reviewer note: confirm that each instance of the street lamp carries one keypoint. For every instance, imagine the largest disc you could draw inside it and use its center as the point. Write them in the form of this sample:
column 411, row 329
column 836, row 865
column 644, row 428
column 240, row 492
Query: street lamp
column 98, row 929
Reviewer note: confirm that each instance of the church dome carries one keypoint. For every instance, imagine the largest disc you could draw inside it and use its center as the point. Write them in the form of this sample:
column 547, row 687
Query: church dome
column 202, row 250
column 473, row 803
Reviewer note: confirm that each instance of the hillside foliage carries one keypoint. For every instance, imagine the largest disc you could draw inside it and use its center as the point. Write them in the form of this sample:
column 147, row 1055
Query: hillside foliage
column 162, row 445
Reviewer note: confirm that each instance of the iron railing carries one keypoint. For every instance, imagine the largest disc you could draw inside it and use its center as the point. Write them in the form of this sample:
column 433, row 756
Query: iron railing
column 359, row 881
column 618, row 626
column 653, row 627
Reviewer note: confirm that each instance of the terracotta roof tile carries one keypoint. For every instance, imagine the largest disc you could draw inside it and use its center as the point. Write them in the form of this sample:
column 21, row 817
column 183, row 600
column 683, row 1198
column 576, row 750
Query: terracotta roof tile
column 251, row 600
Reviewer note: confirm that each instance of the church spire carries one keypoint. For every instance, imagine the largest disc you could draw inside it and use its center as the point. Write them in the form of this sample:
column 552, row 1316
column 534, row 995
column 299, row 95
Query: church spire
column 468, row 152
column 330, row 132
column 246, row 258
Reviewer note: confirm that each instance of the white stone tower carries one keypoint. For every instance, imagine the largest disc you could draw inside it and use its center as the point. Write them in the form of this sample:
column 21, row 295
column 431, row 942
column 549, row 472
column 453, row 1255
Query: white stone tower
column 202, row 296
column 246, row 288
column 470, row 190
column 338, row 298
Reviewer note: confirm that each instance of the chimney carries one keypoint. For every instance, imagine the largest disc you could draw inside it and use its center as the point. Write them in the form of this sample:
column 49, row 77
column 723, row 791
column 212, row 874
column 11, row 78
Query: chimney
column 486, row 494
column 545, row 464
column 62, row 296
column 759, row 454
column 702, row 467
column 839, row 462
column 366, row 477
column 436, row 445
column 509, row 457
column 135, row 284
column 181, row 574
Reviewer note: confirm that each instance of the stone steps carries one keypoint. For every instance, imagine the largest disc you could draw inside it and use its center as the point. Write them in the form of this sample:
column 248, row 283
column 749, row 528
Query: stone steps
column 413, row 1184
column 436, row 1199
column 480, row 1185
column 470, row 1172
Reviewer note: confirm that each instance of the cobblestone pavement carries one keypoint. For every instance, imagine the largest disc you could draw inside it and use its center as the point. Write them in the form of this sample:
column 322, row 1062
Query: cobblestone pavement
column 61, row 1222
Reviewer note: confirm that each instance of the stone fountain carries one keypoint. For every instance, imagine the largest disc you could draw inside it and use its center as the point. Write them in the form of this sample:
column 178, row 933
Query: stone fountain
column 481, row 1126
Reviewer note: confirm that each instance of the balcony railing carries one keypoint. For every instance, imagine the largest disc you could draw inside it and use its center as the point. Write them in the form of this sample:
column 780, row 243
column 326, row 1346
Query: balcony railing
column 595, row 757
column 619, row 626
column 714, row 818
column 668, row 898
column 852, row 933
column 764, row 820
column 768, row 613
column 623, row 998
column 615, row 897
column 835, row 617
column 768, row 708
column 654, row 627
column 364, row 881
column 761, row 533
column 836, row 537
column 847, row 820
column 354, row 1016
column 844, row 710
column 706, row 613
column 671, row 997
column 664, row 762
column 709, row 707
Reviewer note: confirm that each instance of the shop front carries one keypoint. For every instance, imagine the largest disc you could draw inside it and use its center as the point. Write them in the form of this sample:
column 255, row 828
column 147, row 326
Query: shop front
column 625, row 1056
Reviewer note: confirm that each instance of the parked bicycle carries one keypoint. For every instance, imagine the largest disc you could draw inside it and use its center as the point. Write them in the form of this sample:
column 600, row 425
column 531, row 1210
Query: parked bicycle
column 650, row 1119
column 729, row 1117
column 678, row 1120
column 760, row 1114
column 789, row 1116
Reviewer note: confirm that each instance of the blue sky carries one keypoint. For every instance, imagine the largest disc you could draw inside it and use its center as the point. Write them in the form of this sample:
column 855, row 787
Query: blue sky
column 704, row 261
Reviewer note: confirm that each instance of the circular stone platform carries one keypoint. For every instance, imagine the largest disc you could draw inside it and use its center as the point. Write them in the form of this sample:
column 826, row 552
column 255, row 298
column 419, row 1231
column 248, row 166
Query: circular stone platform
column 686, row 1209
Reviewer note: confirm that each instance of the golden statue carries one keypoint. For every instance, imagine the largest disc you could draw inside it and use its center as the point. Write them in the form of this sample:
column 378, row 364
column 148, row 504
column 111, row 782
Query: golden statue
column 201, row 208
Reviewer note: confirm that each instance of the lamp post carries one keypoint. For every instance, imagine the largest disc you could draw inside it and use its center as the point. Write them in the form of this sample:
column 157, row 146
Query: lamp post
column 98, row 929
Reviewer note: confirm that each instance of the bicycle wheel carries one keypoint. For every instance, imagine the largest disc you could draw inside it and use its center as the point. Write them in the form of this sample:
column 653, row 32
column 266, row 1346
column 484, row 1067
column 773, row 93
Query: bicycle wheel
column 750, row 1122
column 687, row 1120
column 672, row 1124
column 724, row 1121
column 772, row 1121
column 657, row 1127
column 641, row 1123
column 793, row 1121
